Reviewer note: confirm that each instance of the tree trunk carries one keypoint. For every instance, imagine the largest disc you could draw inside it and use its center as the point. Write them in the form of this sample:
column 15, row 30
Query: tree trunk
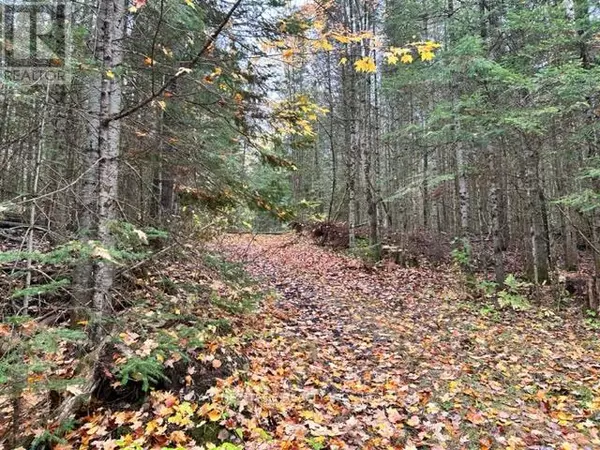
column 87, row 215
column 110, row 27
column 539, row 249
column 463, row 190
column 495, row 218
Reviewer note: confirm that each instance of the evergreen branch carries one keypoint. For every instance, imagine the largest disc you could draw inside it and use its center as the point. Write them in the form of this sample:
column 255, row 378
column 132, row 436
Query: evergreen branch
column 213, row 37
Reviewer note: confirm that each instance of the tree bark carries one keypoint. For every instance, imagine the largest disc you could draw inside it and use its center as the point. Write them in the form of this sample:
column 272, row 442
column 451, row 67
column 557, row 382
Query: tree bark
column 110, row 28
column 495, row 218
column 539, row 249
column 463, row 190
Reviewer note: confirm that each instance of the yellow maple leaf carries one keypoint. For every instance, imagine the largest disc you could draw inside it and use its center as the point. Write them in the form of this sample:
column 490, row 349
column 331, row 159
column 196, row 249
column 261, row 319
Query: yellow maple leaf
column 399, row 51
column 324, row 44
column 406, row 58
column 365, row 64
column 214, row 415
column 180, row 420
column 341, row 38
column 413, row 421
column 305, row 128
column 427, row 55
column 360, row 36
column 151, row 426
column 391, row 58
column 307, row 415
column 568, row 446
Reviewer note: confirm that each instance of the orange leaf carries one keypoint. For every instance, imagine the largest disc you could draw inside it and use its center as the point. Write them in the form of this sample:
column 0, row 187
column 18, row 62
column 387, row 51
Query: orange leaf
column 178, row 437
column 214, row 415
column 475, row 417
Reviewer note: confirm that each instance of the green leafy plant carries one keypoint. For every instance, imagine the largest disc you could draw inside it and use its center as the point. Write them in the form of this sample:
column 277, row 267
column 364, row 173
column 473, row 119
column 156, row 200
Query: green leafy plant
column 487, row 288
column 131, row 246
column 509, row 297
column 132, row 239
column 514, row 301
column 462, row 253
column 227, row 446
column 592, row 320
column 41, row 289
column 30, row 356
column 241, row 303
column 316, row 443
column 490, row 312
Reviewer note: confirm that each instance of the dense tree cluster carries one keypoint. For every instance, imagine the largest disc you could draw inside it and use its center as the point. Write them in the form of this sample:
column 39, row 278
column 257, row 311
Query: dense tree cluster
column 493, row 141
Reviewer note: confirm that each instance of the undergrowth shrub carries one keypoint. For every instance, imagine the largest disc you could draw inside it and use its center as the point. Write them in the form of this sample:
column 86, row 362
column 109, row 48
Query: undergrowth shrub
column 51, row 439
column 230, row 271
column 511, row 296
column 132, row 244
column 462, row 254
column 149, row 371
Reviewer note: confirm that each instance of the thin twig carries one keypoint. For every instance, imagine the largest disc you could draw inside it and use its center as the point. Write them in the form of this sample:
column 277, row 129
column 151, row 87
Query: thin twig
column 578, row 230
column 64, row 188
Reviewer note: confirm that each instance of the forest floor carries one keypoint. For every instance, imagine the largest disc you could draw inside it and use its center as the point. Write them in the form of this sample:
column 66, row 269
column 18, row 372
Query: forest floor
column 335, row 355
column 360, row 358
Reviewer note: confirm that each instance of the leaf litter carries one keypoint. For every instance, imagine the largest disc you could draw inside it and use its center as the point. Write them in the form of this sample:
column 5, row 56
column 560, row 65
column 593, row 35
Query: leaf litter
column 341, row 356
column 352, row 357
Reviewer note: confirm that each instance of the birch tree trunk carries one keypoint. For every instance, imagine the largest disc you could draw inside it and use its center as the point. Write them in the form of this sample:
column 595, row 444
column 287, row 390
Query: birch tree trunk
column 110, row 28
column 351, row 136
column 463, row 190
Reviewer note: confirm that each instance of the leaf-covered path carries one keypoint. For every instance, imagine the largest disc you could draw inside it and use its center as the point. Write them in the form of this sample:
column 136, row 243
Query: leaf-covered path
column 353, row 358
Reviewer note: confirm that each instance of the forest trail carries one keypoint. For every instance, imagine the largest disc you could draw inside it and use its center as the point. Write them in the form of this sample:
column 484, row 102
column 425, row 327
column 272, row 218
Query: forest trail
column 366, row 359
